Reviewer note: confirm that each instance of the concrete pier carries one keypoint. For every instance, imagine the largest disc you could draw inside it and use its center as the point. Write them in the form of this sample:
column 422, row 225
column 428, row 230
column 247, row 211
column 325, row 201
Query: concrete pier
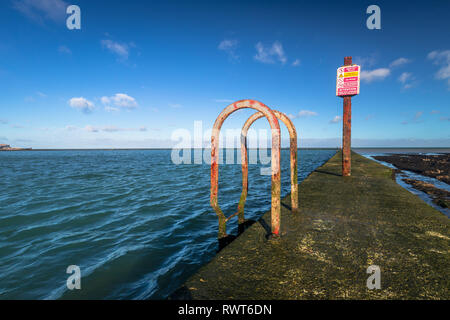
column 344, row 225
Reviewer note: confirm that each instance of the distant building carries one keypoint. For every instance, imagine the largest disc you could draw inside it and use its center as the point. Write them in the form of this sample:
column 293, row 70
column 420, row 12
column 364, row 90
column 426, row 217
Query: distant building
column 4, row 146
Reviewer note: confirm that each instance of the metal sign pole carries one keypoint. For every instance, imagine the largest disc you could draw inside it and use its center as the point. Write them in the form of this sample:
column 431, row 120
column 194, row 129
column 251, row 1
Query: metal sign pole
column 347, row 130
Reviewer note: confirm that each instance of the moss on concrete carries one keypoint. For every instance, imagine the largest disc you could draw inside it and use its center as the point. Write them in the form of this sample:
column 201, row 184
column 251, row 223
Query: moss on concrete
column 343, row 226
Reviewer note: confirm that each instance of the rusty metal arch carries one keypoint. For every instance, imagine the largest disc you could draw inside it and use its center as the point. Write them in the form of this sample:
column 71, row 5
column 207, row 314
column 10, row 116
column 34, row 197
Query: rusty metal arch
column 276, row 143
column 293, row 158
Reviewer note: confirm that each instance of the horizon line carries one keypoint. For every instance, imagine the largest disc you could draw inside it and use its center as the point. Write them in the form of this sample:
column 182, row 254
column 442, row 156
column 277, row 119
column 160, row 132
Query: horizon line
column 283, row 148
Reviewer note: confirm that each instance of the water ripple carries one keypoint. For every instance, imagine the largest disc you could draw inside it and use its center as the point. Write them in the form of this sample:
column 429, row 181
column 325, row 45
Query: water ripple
column 136, row 224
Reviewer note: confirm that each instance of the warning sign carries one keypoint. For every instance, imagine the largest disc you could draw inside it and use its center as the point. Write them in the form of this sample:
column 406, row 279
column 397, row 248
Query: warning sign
column 347, row 81
column 350, row 74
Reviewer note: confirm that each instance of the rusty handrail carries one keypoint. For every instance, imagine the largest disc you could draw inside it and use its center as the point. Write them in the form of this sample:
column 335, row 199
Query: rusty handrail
column 244, row 160
column 276, row 143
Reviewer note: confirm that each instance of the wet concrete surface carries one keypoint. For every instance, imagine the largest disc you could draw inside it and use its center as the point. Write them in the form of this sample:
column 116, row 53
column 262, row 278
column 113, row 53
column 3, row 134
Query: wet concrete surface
column 344, row 225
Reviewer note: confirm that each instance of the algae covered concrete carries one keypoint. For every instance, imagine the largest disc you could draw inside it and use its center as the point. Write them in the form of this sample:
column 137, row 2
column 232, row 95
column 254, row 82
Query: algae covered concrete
column 344, row 225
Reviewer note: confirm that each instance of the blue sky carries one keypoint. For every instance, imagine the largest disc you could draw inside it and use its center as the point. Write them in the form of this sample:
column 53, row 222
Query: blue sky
column 137, row 71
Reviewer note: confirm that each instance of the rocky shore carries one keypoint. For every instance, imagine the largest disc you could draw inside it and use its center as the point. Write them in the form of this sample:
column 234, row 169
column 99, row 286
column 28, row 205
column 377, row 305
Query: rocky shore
column 439, row 196
column 434, row 166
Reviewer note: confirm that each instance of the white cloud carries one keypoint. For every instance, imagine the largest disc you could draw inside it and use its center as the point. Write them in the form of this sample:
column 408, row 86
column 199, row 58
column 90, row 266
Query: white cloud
column 416, row 119
column 32, row 98
column 105, row 100
column 418, row 115
column 124, row 101
column 120, row 100
column 40, row 10
column 175, row 105
column 399, row 62
column 336, row 119
column 442, row 59
column 296, row 63
column 365, row 61
column 82, row 104
column 64, row 49
column 271, row 54
column 303, row 113
column 91, row 129
column 120, row 49
column 111, row 109
column 111, row 129
column 376, row 74
column 406, row 78
column 229, row 46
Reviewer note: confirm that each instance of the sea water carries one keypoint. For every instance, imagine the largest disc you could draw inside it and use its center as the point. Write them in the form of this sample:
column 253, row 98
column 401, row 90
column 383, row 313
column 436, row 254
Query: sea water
column 136, row 224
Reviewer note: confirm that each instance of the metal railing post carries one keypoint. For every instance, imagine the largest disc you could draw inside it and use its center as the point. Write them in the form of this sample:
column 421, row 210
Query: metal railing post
column 276, row 143
column 293, row 160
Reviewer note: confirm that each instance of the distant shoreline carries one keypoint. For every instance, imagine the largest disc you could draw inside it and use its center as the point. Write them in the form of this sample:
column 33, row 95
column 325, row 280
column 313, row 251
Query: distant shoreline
column 447, row 149
column 15, row 149
column 125, row 149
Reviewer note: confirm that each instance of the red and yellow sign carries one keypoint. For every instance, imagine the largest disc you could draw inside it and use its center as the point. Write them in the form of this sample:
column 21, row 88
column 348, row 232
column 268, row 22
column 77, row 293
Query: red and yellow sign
column 347, row 81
